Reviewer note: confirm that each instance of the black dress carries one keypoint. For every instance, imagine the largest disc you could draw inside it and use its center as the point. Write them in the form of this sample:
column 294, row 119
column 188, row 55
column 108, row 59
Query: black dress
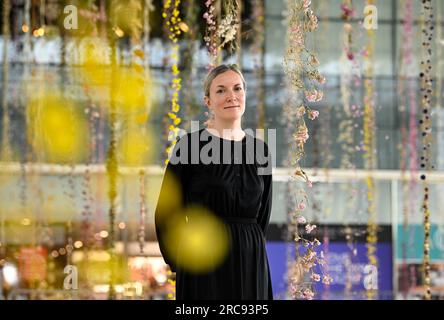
column 241, row 197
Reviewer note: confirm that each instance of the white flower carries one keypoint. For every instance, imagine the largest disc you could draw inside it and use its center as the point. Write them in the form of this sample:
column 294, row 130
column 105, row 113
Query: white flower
column 309, row 228
column 301, row 219
column 316, row 277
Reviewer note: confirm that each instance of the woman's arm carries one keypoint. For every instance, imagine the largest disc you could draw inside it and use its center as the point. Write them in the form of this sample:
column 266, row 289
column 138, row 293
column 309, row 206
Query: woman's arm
column 267, row 195
column 171, row 202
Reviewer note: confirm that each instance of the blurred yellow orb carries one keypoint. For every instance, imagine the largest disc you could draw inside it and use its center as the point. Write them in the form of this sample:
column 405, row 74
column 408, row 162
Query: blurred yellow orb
column 197, row 239
column 136, row 147
column 58, row 129
column 170, row 200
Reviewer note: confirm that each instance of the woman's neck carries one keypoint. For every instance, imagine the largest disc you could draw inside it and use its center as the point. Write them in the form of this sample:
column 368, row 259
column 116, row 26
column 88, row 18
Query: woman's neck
column 228, row 130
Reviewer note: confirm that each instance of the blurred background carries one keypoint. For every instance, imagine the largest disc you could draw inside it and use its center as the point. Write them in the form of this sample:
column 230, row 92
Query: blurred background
column 92, row 89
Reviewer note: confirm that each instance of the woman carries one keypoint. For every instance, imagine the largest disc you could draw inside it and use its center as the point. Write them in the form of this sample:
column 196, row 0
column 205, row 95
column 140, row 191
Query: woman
column 231, row 187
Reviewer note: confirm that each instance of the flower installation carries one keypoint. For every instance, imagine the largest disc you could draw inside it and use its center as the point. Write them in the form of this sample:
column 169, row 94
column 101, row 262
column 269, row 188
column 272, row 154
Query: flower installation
column 302, row 80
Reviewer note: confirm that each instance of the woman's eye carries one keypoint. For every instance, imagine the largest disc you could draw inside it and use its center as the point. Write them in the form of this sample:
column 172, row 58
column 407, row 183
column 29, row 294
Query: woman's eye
column 238, row 89
column 219, row 91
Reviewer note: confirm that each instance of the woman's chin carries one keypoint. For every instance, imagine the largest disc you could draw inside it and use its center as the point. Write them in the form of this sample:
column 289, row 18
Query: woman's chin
column 232, row 115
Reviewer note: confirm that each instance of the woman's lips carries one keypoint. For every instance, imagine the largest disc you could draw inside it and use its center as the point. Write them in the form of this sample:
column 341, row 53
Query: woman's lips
column 232, row 107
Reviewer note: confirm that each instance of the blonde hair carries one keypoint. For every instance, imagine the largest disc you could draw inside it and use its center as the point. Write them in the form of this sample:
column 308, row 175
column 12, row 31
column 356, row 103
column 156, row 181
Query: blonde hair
column 219, row 70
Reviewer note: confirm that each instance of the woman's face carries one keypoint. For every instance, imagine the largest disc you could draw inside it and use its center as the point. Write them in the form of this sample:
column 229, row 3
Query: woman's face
column 227, row 96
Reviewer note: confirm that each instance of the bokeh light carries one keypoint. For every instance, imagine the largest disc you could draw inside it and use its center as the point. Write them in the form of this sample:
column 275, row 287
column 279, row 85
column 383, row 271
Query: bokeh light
column 136, row 147
column 58, row 129
column 170, row 200
column 129, row 87
column 198, row 239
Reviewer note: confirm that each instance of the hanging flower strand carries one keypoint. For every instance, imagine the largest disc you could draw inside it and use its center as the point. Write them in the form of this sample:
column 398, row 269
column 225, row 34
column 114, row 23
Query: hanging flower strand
column 175, row 27
column 218, row 36
column 369, row 154
column 210, row 32
column 426, row 125
column 229, row 24
column 350, row 120
column 257, row 50
column 408, row 147
column 300, row 63
column 142, row 222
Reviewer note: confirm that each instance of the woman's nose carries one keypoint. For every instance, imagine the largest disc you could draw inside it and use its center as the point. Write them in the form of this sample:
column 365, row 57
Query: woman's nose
column 231, row 96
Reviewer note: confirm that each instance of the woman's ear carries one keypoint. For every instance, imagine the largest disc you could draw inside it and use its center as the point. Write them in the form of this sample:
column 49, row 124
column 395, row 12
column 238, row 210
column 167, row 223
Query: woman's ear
column 207, row 101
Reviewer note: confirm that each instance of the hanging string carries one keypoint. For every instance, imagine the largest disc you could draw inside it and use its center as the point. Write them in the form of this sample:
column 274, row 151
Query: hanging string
column 238, row 40
column 427, row 29
column 258, row 52
column 350, row 82
column 111, row 160
column 370, row 153
column 407, row 109
column 190, row 59
column 6, row 148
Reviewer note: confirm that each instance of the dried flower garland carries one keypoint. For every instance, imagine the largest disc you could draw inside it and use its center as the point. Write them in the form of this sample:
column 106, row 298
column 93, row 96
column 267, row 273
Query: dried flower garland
column 210, row 31
column 218, row 35
column 142, row 221
column 191, row 103
column 426, row 126
column 407, row 97
column 439, row 89
column 369, row 153
column 6, row 151
column 257, row 49
column 229, row 25
column 349, row 123
column 350, row 83
column 112, row 161
column 300, row 63
column 175, row 27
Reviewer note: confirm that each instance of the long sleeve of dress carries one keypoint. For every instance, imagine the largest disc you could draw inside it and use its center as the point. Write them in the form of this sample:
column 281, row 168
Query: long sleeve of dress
column 266, row 202
column 170, row 202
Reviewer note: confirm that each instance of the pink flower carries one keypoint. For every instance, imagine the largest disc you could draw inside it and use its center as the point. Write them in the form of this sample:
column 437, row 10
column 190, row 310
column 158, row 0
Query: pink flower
column 306, row 5
column 301, row 111
column 311, row 255
column 350, row 55
column 314, row 95
column 296, row 35
column 326, row 279
column 364, row 52
column 312, row 24
column 208, row 3
column 309, row 228
column 295, row 29
column 301, row 206
column 313, row 114
column 308, row 294
column 302, row 135
column 301, row 220
column 321, row 79
column 347, row 12
column 316, row 277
